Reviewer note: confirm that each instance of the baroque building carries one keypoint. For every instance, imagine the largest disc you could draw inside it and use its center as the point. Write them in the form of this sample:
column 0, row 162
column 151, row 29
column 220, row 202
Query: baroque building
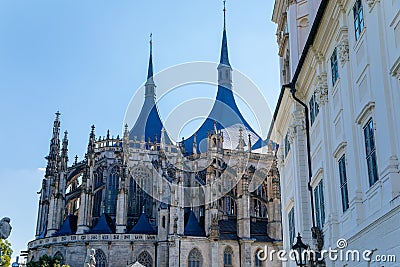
column 340, row 95
column 212, row 199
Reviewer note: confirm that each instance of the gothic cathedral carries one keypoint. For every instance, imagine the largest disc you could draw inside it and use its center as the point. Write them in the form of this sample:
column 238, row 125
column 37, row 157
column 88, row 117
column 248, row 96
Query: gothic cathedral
column 212, row 199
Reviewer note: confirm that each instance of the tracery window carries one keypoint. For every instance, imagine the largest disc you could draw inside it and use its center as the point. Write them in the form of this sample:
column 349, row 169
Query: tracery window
column 101, row 259
column 228, row 256
column 145, row 259
column 230, row 206
column 257, row 260
column 195, row 259
column 260, row 210
column 60, row 257
column 98, row 177
column 112, row 191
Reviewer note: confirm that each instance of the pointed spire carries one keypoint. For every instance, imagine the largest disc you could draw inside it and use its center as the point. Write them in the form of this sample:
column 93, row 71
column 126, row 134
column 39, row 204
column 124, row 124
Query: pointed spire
column 150, row 86
column 126, row 132
column 250, row 143
column 92, row 139
column 241, row 144
column 195, row 144
column 224, row 49
column 54, row 153
column 150, row 70
column 162, row 141
column 64, row 151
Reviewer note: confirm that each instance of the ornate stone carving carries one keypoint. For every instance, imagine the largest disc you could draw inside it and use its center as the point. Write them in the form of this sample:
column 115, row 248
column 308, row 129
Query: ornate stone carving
column 322, row 89
column 214, row 228
column 298, row 120
column 343, row 50
column 291, row 133
column 90, row 260
column 371, row 3
column 5, row 228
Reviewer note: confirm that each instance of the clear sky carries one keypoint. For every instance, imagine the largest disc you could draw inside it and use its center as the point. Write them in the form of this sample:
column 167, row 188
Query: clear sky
column 87, row 58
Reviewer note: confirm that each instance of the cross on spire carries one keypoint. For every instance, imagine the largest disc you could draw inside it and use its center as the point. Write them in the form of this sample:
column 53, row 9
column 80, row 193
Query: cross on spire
column 224, row 1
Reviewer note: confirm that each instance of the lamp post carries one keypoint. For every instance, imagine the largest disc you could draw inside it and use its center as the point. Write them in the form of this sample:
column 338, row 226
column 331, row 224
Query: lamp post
column 299, row 254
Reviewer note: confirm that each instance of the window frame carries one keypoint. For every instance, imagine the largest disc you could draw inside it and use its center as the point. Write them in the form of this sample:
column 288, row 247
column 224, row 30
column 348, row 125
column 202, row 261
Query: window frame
column 319, row 204
column 370, row 152
column 287, row 145
column 359, row 22
column 313, row 108
column 228, row 257
column 292, row 226
column 343, row 183
column 334, row 67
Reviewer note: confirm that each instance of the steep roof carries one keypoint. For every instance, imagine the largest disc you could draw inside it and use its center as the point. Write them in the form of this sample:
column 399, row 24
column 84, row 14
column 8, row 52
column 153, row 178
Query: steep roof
column 192, row 227
column 69, row 226
column 143, row 226
column 103, row 226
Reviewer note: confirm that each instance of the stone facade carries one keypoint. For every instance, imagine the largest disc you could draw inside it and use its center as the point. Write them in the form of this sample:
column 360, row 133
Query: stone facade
column 348, row 81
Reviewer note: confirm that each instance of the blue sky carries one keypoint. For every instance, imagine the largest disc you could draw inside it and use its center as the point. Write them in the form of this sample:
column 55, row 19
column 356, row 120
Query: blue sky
column 87, row 58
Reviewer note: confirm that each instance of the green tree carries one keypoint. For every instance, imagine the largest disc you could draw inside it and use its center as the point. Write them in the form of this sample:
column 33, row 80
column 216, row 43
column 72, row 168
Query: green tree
column 46, row 261
column 5, row 253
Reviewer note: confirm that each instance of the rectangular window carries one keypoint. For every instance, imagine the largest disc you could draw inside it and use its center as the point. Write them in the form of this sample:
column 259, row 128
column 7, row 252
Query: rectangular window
column 334, row 67
column 287, row 145
column 370, row 152
column 319, row 205
column 314, row 108
column 292, row 229
column 343, row 183
column 358, row 18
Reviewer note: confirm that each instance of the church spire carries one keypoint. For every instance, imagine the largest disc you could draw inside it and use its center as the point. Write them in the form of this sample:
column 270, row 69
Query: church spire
column 150, row 70
column 224, row 48
column 150, row 86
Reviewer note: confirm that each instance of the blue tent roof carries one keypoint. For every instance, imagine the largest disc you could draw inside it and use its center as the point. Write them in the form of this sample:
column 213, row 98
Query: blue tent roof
column 69, row 226
column 103, row 226
column 143, row 226
column 224, row 50
column 226, row 114
column 192, row 227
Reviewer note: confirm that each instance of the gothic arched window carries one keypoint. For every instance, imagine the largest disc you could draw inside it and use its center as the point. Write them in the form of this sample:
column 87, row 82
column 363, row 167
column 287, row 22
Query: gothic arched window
column 257, row 261
column 101, row 259
column 230, row 206
column 228, row 256
column 98, row 177
column 112, row 191
column 145, row 259
column 260, row 210
column 60, row 257
column 195, row 259
column 97, row 203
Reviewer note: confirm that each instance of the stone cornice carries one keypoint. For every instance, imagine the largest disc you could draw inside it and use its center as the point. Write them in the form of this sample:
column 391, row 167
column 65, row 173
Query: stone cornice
column 62, row 240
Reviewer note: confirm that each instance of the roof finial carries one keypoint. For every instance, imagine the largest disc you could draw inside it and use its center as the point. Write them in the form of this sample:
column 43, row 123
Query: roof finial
column 151, row 43
column 224, row 60
column 224, row 14
column 150, row 71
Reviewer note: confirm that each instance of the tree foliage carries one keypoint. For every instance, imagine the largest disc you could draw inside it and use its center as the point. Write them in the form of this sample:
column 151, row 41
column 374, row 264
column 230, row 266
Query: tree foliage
column 5, row 253
column 46, row 261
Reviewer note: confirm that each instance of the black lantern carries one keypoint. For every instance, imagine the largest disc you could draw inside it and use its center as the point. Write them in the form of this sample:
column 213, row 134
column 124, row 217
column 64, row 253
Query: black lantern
column 299, row 254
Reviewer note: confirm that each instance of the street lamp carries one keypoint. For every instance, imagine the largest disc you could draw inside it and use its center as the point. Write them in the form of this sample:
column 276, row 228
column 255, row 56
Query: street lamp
column 299, row 254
